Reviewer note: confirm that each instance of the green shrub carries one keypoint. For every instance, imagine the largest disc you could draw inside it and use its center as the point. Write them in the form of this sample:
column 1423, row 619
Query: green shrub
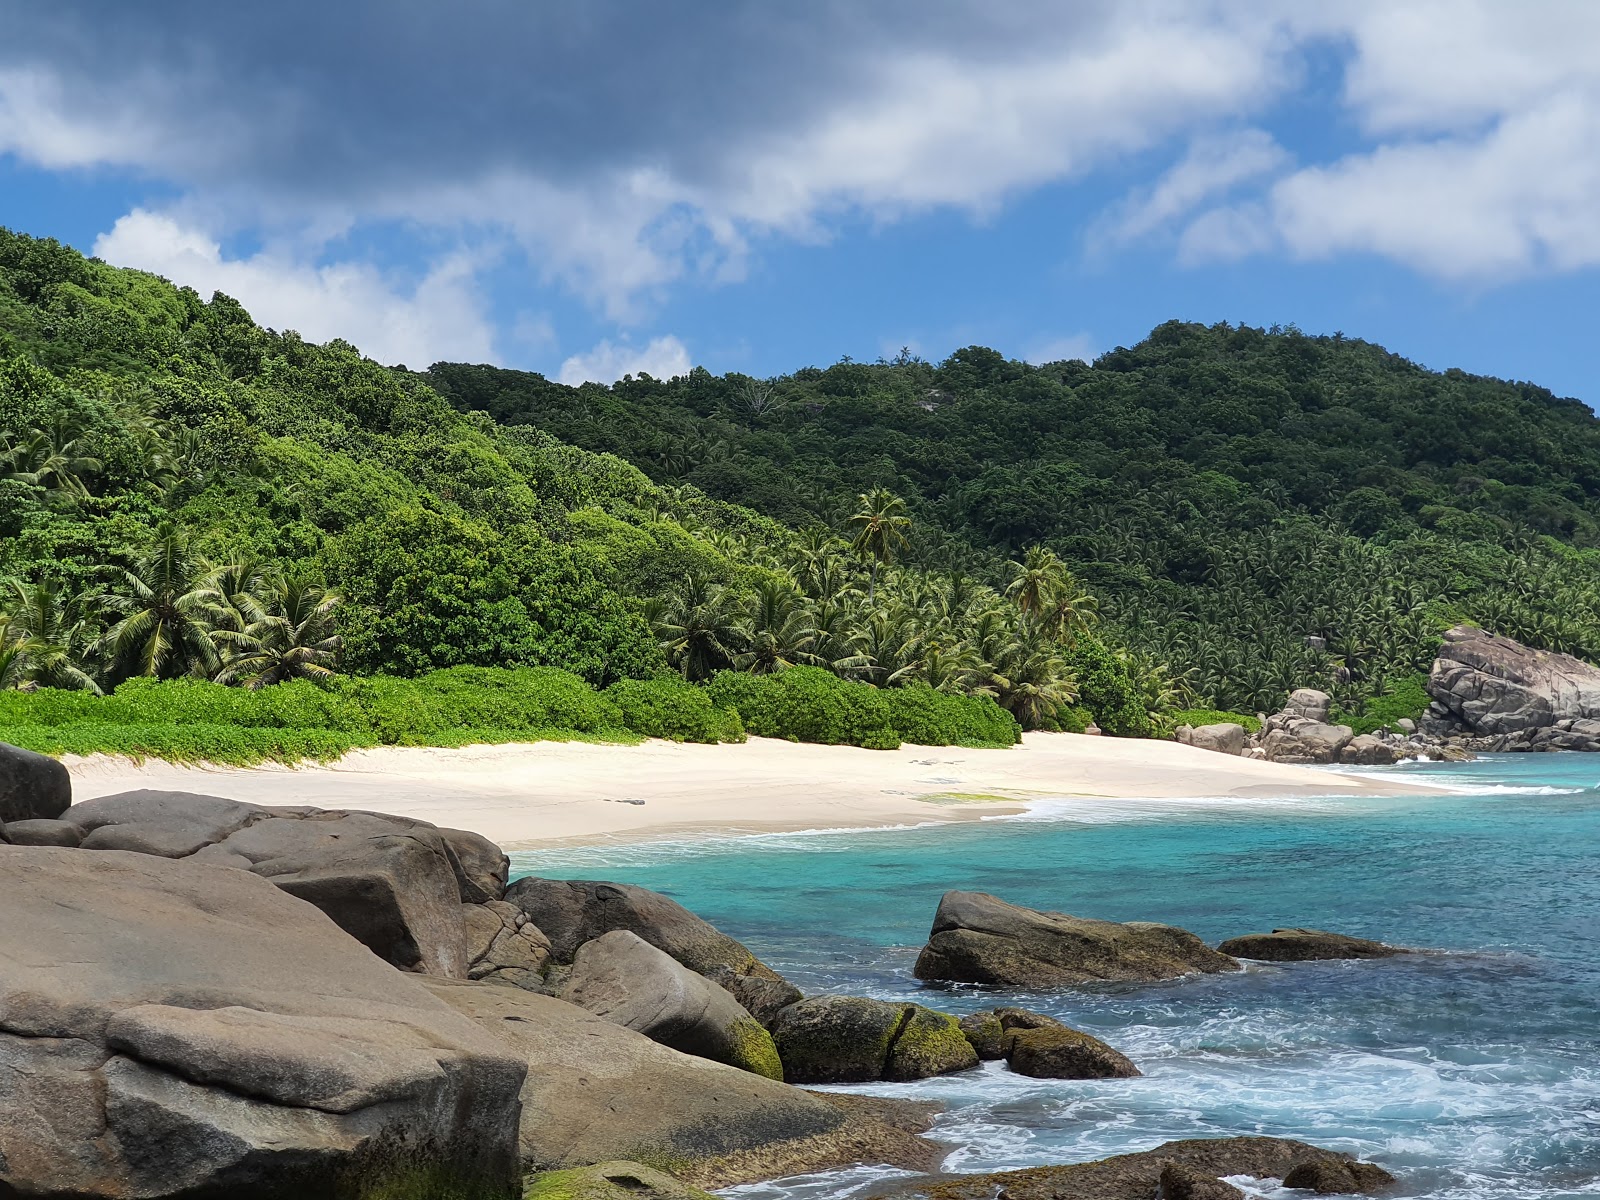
column 413, row 712
column 1406, row 697
column 234, row 744
column 1214, row 716
column 925, row 717
column 1073, row 719
column 1106, row 689
column 672, row 708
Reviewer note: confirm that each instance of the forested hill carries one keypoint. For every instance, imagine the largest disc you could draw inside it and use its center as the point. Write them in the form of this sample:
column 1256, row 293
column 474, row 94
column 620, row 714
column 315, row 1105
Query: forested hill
column 1225, row 492
column 1206, row 519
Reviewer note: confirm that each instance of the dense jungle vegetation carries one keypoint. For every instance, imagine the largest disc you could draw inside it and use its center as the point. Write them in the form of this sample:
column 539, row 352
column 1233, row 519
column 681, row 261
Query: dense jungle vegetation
column 213, row 531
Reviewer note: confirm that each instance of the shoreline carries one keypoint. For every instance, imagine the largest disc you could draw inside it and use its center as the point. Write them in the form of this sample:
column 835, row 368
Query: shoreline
column 525, row 796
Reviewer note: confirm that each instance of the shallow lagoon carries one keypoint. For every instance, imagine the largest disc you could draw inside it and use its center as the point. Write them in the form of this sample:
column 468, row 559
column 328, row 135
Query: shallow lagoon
column 1472, row 1073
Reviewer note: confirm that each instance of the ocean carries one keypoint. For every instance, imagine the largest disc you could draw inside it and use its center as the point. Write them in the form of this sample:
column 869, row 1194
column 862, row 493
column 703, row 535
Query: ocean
column 1473, row 1072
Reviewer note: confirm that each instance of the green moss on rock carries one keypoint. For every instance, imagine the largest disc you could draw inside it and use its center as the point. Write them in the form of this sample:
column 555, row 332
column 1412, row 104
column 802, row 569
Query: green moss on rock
column 754, row 1050
column 610, row 1181
column 930, row 1043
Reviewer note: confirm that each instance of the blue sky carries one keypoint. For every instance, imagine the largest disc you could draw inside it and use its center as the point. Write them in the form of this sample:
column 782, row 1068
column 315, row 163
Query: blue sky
column 587, row 190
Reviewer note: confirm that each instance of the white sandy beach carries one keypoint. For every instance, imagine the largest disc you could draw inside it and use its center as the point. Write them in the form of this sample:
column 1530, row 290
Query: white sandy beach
column 526, row 795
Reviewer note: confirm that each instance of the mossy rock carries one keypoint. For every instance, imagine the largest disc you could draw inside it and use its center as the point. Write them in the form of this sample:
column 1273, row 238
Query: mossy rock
column 1062, row 1053
column 985, row 1034
column 610, row 1181
column 753, row 1049
column 850, row 1039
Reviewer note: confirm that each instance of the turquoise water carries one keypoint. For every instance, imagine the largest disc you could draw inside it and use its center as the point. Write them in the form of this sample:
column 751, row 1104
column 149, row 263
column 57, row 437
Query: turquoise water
column 1471, row 1073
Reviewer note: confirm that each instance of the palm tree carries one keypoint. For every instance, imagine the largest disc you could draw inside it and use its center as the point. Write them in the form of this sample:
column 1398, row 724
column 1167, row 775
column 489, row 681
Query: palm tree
column 1034, row 681
column 289, row 635
column 56, row 459
column 779, row 633
column 880, row 523
column 1045, row 590
column 170, row 606
column 699, row 628
column 47, row 636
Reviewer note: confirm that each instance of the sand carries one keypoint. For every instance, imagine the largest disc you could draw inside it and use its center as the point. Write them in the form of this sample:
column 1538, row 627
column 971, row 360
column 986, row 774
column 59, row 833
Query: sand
column 528, row 795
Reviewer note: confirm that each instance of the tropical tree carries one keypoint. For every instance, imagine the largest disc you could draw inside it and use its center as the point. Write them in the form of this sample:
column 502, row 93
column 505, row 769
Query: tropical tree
column 778, row 633
column 48, row 636
column 699, row 628
column 169, row 606
column 881, row 524
column 289, row 634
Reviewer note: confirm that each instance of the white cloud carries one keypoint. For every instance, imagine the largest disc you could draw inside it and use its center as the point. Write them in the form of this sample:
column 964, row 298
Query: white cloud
column 662, row 358
column 439, row 318
column 1081, row 346
column 1213, row 165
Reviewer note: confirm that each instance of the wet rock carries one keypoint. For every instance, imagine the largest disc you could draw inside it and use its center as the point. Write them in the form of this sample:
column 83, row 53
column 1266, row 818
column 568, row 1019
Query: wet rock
column 1062, row 1053
column 1129, row 1176
column 170, row 1028
column 32, row 786
column 849, row 1039
column 621, row 977
column 596, row 1092
column 1331, row 1177
column 1179, row 1182
column 1305, row 945
column 979, row 938
column 984, row 1034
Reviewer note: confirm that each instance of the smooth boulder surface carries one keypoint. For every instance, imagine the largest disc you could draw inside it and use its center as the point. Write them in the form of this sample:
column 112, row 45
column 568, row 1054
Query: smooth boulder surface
column 979, row 938
column 1369, row 750
column 1305, row 945
column 596, row 1092
column 626, row 980
column 394, row 883
column 1063, row 1053
column 1296, row 740
column 1139, row 1176
column 1484, row 684
column 32, row 786
column 171, row 1028
column 42, row 833
column 1224, row 737
column 850, row 1039
column 1309, row 704
column 574, row 911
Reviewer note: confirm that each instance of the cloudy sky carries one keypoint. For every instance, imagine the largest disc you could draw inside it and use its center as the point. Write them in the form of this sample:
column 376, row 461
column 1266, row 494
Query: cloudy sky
column 621, row 185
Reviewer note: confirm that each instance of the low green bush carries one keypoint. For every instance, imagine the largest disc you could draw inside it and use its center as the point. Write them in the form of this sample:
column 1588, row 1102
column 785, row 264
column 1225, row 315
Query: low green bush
column 674, row 709
column 1073, row 719
column 925, row 717
column 1404, row 697
column 1215, row 716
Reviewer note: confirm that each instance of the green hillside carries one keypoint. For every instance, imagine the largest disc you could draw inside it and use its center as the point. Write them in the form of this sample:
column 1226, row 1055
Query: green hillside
column 861, row 553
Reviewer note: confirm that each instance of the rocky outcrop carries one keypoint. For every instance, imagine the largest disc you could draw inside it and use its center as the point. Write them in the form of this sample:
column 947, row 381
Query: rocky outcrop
column 32, row 786
column 626, row 980
column 1503, row 695
column 395, row 884
column 42, row 833
column 1370, row 750
column 849, row 1039
column 173, row 1028
column 1305, row 945
column 503, row 946
column 596, row 1092
column 572, row 912
column 1179, row 1182
column 979, row 938
column 1332, row 1177
column 1224, row 737
column 1063, row 1053
column 1139, row 1176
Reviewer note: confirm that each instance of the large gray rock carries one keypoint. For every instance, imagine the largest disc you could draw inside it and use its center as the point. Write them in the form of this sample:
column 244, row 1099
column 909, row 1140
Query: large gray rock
column 626, row 980
column 1063, row 1053
column 1225, row 737
column 1369, row 750
column 503, row 946
column 596, row 1092
column 42, row 833
column 394, row 883
column 1139, row 1176
column 850, row 1039
column 170, row 1028
column 1492, row 685
column 1298, row 740
column 574, row 911
column 979, row 938
column 32, row 786
column 1309, row 704
column 1306, row 945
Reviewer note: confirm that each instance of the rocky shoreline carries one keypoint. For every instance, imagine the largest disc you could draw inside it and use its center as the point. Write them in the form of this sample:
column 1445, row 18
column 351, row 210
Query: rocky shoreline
column 203, row 997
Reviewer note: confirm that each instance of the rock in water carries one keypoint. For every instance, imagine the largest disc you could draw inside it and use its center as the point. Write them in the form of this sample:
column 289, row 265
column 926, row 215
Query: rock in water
column 1331, row 1177
column 849, row 1039
column 610, row 1181
column 1305, row 945
column 171, row 1028
column 1179, row 1182
column 32, row 786
column 979, row 938
column 1139, row 1176
column 1493, row 685
column 597, row 1092
column 572, row 912
column 626, row 980
column 1064, row 1053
